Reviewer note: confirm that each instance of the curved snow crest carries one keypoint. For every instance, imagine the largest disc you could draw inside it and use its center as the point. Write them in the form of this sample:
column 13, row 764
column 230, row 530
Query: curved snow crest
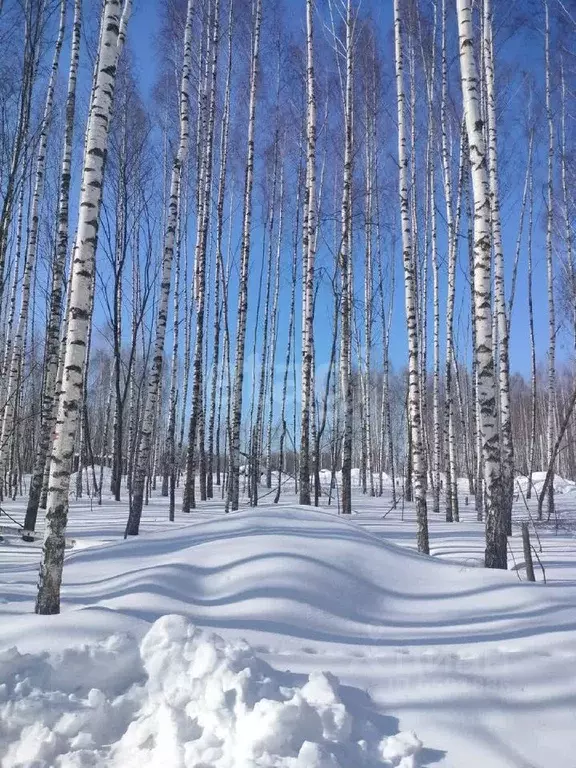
column 561, row 484
column 187, row 699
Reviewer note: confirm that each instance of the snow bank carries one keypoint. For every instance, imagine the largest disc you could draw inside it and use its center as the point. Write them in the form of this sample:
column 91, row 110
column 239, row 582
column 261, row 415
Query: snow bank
column 561, row 485
column 276, row 577
column 185, row 698
column 51, row 712
column 355, row 478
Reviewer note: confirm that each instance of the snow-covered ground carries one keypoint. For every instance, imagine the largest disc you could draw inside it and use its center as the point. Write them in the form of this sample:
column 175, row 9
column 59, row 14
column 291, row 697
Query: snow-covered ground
column 355, row 642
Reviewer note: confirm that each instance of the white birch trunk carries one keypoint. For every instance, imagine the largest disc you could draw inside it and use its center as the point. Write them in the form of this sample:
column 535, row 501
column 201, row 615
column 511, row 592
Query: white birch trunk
column 82, row 280
column 431, row 177
column 197, row 415
column 218, row 308
column 171, row 459
column 496, row 542
column 346, row 277
column 200, row 252
column 309, row 245
column 53, row 330
column 258, row 431
column 8, row 325
column 436, row 347
column 568, row 224
column 533, row 370
column 153, row 388
column 368, row 294
column 236, row 415
column 274, row 330
column 33, row 24
column 15, row 370
column 452, row 226
column 291, row 319
column 507, row 447
column 551, row 416
column 418, row 458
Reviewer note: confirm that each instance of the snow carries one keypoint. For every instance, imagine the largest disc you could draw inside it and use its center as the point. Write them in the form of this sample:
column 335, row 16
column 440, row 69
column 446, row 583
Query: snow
column 355, row 642
column 183, row 698
column 51, row 709
column 561, row 485
column 355, row 478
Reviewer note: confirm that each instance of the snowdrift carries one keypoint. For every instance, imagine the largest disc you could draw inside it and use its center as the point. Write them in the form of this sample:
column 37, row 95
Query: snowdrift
column 185, row 698
column 356, row 478
column 561, row 485
column 288, row 571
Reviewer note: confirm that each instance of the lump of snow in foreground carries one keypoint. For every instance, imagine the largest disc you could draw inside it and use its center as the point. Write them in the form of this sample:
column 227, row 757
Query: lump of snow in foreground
column 184, row 699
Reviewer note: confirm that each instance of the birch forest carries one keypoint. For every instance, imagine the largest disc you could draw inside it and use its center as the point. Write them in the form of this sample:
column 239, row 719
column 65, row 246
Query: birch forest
column 271, row 249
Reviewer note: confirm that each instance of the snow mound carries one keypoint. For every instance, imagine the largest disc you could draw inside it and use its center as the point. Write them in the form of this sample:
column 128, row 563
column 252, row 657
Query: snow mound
column 52, row 715
column 561, row 485
column 184, row 699
column 356, row 478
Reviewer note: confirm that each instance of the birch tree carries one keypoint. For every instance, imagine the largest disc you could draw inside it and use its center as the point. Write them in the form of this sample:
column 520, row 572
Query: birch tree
column 171, row 469
column 200, row 255
column 346, row 275
column 566, row 206
column 267, row 339
column 309, row 245
column 551, row 419
column 219, row 277
column 507, row 448
column 496, row 541
column 34, row 17
column 370, row 151
column 151, row 401
column 274, row 329
column 415, row 421
column 533, row 382
column 112, row 37
column 236, row 415
column 290, row 335
column 53, row 329
column 15, row 369
column 430, row 71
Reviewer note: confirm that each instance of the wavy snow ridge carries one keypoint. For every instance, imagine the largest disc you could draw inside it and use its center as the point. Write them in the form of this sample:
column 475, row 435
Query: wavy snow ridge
column 184, row 699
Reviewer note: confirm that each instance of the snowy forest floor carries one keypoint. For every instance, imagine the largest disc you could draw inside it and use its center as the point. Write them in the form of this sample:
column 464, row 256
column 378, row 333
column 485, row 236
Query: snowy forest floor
column 481, row 665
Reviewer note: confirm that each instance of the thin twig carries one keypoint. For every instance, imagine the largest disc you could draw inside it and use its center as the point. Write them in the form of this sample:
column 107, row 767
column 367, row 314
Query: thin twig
column 515, row 565
column 540, row 562
column 3, row 512
column 530, row 514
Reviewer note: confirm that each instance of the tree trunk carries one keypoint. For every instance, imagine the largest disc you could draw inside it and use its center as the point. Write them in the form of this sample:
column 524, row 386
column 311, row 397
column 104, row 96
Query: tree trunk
column 274, row 330
column 496, row 543
column 149, row 412
column 507, row 447
column 15, row 370
column 346, row 278
column 414, row 384
column 171, row 461
column 218, row 309
column 197, row 415
column 309, row 244
column 112, row 35
column 550, row 275
column 533, row 371
column 527, row 553
column 234, row 480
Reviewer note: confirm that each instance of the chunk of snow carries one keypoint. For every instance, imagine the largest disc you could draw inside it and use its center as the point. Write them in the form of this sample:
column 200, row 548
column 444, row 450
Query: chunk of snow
column 186, row 699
